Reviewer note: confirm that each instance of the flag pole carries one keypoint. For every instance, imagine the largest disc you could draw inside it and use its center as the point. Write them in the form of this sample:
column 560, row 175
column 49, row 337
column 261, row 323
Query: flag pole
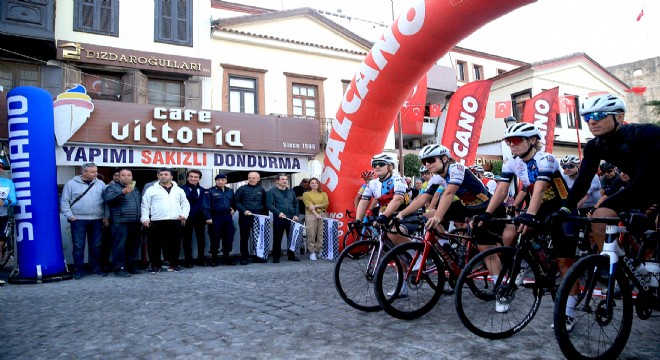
column 577, row 129
column 401, row 165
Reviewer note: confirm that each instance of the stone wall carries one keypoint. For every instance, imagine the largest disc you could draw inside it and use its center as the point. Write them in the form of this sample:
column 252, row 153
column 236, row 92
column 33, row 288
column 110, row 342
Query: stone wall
column 642, row 73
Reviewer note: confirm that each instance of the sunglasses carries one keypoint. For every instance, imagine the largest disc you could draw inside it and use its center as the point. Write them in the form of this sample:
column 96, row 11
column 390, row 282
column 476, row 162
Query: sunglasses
column 378, row 164
column 597, row 116
column 568, row 166
column 429, row 160
column 515, row 140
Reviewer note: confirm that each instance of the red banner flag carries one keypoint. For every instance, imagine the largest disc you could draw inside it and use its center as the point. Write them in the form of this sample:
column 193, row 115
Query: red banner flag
column 566, row 104
column 502, row 109
column 637, row 90
column 641, row 13
column 465, row 117
column 435, row 110
column 412, row 112
column 541, row 110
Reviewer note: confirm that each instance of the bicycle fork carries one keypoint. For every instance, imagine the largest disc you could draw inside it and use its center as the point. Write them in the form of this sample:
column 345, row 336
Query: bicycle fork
column 612, row 251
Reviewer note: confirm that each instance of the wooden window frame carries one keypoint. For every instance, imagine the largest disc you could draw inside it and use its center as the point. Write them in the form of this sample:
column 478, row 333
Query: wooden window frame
column 158, row 23
column 317, row 81
column 241, row 71
column 97, row 5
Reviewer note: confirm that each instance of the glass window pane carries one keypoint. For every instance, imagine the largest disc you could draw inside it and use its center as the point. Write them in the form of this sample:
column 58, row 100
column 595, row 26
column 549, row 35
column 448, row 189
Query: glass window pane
column 311, row 91
column 296, row 90
column 250, row 107
column 242, row 83
column 234, row 101
column 311, row 112
column 310, row 103
column 297, row 111
column 297, row 102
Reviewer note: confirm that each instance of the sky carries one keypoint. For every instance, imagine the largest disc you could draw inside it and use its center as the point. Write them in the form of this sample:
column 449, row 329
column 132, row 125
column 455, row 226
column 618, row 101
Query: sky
column 606, row 30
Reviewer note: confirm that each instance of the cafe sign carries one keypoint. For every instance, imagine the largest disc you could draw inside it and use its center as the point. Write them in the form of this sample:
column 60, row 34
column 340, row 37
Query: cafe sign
column 104, row 55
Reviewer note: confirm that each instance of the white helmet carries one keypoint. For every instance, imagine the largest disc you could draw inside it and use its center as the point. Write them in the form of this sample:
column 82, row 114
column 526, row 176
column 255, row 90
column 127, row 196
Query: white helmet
column 489, row 175
column 433, row 150
column 569, row 159
column 525, row 130
column 603, row 103
column 477, row 168
column 384, row 157
column 423, row 169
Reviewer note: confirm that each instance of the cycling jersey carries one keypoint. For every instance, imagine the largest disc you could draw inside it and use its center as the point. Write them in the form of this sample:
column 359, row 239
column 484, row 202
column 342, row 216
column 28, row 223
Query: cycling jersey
column 541, row 166
column 471, row 191
column 632, row 148
column 593, row 193
column 385, row 190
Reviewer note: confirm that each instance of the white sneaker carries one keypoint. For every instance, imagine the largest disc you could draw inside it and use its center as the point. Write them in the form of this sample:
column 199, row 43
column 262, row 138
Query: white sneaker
column 568, row 321
column 402, row 294
column 312, row 256
column 501, row 307
column 418, row 263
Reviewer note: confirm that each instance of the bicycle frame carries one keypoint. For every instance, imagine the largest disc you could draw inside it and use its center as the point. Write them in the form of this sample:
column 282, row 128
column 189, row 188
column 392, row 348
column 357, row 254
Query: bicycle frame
column 431, row 241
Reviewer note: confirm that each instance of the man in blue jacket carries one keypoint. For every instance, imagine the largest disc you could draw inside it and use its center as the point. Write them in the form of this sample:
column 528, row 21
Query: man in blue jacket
column 221, row 224
column 198, row 199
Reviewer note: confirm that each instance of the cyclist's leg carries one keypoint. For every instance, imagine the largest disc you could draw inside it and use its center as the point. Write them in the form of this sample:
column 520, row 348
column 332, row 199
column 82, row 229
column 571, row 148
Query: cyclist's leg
column 610, row 207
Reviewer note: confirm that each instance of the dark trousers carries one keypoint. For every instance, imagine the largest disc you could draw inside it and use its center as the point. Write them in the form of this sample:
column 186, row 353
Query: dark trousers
column 89, row 230
column 245, row 224
column 126, row 240
column 222, row 227
column 165, row 236
column 198, row 223
column 106, row 247
column 280, row 226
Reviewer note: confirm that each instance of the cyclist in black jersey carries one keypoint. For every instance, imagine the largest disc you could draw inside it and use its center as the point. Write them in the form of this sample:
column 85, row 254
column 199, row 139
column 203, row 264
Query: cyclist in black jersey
column 629, row 148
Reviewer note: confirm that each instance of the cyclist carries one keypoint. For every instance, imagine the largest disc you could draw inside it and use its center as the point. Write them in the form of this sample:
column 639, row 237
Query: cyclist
column 367, row 175
column 7, row 199
column 608, row 175
column 426, row 176
column 540, row 177
column 390, row 191
column 570, row 164
column 629, row 148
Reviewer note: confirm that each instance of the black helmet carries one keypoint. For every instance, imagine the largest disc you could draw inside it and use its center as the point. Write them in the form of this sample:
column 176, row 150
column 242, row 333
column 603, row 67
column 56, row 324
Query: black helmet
column 606, row 167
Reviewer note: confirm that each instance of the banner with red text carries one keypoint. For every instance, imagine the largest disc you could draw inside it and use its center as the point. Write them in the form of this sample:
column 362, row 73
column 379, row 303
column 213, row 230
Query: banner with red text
column 465, row 117
column 541, row 110
column 412, row 111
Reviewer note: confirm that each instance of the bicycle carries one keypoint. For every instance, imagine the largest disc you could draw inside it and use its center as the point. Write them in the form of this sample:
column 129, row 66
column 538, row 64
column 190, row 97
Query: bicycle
column 366, row 232
column 9, row 246
column 408, row 292
column 355, row 267
column 518, row 291
column 605, row 298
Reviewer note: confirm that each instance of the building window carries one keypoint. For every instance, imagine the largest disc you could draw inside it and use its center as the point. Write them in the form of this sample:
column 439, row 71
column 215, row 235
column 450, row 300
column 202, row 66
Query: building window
column 519, row 100
column 173, row 22
column 460, row 70
column 97, row 16
column 304, row 100
column 165, row 92
column 242, row 95
column 103, row 86
column 15, row 74
column 478, row 72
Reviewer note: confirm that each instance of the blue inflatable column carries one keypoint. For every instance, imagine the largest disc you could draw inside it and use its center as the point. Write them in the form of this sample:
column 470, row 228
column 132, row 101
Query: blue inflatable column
column 33, row 171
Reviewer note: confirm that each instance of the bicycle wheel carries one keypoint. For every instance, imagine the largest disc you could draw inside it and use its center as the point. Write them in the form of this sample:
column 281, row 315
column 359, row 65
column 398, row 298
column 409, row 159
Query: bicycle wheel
column 477, row 292
column 595, row 334
column 6, row 255
column 397, row 289
column 354, row 274
column 354, row 236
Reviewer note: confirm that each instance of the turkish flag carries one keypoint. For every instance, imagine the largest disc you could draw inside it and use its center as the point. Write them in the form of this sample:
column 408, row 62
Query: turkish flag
column 566, row 104
column 637, row 90
column 412, row 112
column 465, row 117
column 641, row 13
column 434, row 110
column 541, row 110
column 502, row 109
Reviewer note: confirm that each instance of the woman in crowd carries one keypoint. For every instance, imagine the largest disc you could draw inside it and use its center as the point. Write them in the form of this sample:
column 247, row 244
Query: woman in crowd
column 316, row 201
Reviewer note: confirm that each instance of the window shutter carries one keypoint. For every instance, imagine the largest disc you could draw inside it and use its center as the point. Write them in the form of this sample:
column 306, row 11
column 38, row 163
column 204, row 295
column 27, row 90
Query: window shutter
column 105, row 23
column 166, row 20
column 142, row 81
column 193, row 94
column 87, row 14
column 181, row 21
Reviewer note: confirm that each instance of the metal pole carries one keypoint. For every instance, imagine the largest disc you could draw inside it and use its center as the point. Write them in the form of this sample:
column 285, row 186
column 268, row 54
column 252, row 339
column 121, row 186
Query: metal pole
column 401, row 166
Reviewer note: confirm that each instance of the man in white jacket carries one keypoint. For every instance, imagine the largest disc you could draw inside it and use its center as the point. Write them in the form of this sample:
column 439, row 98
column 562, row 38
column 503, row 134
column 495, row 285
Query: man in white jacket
column 164, row 212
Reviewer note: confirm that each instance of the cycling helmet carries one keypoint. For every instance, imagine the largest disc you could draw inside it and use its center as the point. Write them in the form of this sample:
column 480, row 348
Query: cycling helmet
column 433, row 150
column 605, row 167
column 569, row 159
column 423, row 169
column 384, row 157
column 525, row 130
column 477, row 168
column 367, row 174
column 602, row 103
column 489, row 175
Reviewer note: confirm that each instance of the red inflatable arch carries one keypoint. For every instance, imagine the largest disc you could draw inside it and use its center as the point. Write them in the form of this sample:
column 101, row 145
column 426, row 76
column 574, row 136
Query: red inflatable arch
column 420, row 36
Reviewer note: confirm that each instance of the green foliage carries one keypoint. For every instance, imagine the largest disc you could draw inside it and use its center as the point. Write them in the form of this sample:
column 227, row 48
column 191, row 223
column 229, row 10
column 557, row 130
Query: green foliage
column 497, row 167
column 411, row 165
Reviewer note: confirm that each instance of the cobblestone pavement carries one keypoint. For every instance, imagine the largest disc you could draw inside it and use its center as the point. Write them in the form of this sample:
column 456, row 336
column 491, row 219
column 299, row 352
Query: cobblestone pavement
column 275, row 311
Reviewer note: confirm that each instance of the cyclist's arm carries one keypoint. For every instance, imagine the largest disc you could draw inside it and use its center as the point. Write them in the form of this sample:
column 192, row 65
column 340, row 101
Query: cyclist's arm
column 396, row 202
column 501, row 192
column 419, row 201
column 520, row 198
column 588, row 169
column 445, row 201
column 361, row 208
column 11, row 198
column 434, row 202
column 540, row 186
